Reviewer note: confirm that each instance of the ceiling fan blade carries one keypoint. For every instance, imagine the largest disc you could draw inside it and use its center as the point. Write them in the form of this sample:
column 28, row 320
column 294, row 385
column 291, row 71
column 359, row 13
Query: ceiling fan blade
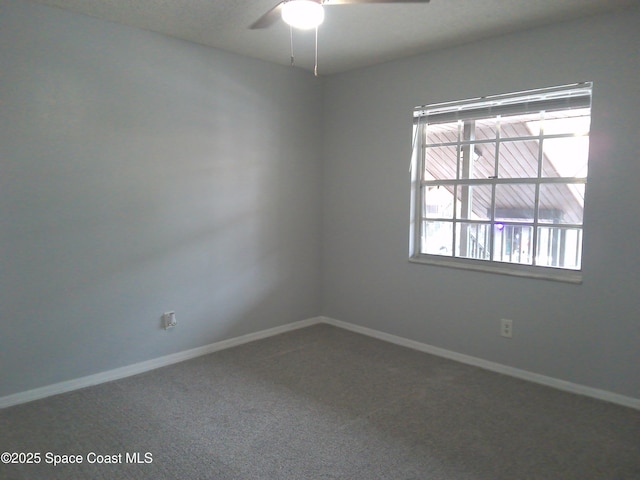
column 355, row 2
column 269, row 18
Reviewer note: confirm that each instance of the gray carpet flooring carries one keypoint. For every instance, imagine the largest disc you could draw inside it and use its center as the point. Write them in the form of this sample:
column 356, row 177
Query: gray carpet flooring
column 322, row 403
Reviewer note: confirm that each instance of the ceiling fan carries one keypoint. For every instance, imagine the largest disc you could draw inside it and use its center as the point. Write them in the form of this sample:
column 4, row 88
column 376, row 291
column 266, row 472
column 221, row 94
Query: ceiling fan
column 306, row 14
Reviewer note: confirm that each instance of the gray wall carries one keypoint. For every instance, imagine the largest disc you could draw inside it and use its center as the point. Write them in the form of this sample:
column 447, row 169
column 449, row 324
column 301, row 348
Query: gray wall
column 140, row 174
column 589, row 333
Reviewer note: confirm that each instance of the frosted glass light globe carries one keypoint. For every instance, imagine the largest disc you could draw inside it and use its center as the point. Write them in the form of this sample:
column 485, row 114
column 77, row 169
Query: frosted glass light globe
column 302, row 14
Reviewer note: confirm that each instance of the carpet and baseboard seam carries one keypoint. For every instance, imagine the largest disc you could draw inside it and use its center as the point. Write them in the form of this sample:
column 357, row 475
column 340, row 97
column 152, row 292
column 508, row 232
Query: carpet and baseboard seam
column 491, row 366
column 137, row 368
column 148, row 365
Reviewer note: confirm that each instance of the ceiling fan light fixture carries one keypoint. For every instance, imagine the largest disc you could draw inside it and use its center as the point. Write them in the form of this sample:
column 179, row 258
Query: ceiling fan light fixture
column 302, row 14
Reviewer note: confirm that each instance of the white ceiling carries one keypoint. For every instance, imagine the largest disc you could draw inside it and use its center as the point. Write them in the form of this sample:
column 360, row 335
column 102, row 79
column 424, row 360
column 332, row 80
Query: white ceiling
column 351, row 36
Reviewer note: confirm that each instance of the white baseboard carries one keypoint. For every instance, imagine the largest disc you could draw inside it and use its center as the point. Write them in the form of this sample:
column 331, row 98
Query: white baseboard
column 148, row 365
column 492, row 366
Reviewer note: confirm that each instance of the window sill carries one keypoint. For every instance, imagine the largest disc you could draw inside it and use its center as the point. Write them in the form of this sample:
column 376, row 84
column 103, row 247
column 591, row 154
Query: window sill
column 517, row 270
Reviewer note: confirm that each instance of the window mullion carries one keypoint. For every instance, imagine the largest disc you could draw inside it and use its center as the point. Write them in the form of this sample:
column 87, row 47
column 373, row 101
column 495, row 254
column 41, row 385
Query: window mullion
column 536, row 210
column 493, row 189
column 466, row 168
column 419, row 232
column 455, row 193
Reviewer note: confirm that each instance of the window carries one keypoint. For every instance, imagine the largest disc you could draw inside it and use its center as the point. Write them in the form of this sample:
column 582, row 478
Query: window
column 498, row 183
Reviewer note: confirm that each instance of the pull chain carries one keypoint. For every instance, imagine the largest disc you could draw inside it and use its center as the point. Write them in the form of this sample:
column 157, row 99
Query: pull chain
column 291, row 43
column 315, row 68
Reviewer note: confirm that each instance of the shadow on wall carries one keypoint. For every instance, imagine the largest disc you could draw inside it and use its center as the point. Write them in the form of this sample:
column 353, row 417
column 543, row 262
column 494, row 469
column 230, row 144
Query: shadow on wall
column 142, row 175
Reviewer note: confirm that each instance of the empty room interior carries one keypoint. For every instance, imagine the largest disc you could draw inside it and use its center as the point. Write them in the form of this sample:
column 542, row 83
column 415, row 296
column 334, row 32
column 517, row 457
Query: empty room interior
column 218, row 265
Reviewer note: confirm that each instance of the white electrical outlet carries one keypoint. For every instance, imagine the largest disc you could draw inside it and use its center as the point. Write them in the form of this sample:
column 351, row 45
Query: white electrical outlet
column 506, row 328
column 169, row 320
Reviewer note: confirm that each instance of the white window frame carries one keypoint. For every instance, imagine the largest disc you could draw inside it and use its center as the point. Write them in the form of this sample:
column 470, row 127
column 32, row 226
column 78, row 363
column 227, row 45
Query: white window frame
column 567, row 97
